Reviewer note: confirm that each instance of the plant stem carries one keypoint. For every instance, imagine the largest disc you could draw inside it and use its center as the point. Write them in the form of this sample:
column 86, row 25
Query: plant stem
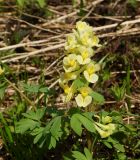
column 89, row 138
column 22, row 94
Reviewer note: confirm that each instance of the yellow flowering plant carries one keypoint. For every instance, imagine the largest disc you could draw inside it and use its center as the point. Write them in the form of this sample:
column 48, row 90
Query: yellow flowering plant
column 78, row 64
column 51, row 127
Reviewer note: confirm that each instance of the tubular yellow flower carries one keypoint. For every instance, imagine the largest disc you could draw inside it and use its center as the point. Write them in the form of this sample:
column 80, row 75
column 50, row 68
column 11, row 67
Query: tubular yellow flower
column 106, row 119
column 89, row 73
column 1, row 71
column 70, row 63
column 105, row 130
column 103, row 134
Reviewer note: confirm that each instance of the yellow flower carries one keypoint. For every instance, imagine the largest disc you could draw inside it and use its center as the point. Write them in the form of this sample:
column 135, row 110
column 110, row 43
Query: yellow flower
column 89, row 73
column 71, row 43
column 69, row 91
column 85, row 54
column 83, row 99
column 70, row 63
column 68, row 76
column 105, row 130
column 1, row 71
column 106, row 119
column 89, row 40
column 83, row 27
column 102, row 133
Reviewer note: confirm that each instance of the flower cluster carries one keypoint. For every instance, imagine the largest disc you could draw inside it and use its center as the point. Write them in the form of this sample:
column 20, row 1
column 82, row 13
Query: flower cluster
column 78, row 64
column 107, row 128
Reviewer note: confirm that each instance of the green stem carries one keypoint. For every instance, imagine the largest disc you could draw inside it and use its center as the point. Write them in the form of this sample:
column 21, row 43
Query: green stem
column 89, row 137
column 22, row 94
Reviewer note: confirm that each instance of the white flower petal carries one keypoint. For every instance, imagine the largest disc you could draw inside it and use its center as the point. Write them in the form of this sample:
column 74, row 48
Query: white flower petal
column 87, row 101
column 79, row 100
column 94, row 78
column 79, row 59
column 86, row 75
column 86, row 61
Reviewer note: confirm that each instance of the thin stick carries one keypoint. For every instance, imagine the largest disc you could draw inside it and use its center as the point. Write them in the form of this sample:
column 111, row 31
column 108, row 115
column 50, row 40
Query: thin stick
column 34, row 53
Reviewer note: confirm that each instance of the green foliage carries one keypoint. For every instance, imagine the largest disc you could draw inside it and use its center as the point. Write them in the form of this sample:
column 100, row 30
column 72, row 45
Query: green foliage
column 3, row 86
column 79, row 120
column 43, row 133
column 98, row 98
column 80, row 156
column 23, row 3
column 118, row 91
column 33, row 88
column 133, row 3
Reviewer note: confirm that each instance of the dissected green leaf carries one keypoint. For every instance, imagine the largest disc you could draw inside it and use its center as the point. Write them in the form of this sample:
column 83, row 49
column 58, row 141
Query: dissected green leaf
column 33, row 88
column 35, row 115
column 26, row 124
column 55, row 128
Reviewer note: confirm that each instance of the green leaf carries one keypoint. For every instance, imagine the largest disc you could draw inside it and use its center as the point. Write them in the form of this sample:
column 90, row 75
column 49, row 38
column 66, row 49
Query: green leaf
column 41, row 3
column 35, row 115
column 88, row 124
column 44, row 90
column 52, row 142
column 33, row 88
column 37, row 138
column 26, row 124
column 78, row 83
column 76, row 124
column 88, row 154
column 78, row 155
column 6, row 128
column 119, row 147
column 107, row 144
column 55, row 128
column 97, row 97
column 116, row 144
column 21, row 3
column 3, row 86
